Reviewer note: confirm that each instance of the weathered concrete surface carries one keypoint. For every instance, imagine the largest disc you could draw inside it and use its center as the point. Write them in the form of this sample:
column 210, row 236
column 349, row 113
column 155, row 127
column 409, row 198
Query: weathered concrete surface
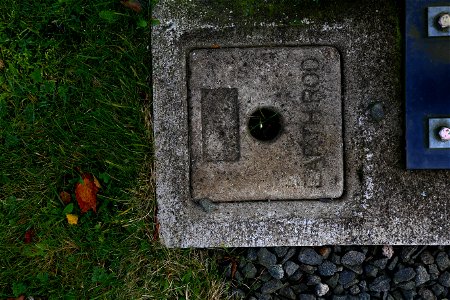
column 303, row 85
column 381, row 203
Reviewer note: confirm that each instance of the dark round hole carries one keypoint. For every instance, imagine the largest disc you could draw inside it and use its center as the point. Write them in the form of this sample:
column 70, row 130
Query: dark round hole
column 265, row 124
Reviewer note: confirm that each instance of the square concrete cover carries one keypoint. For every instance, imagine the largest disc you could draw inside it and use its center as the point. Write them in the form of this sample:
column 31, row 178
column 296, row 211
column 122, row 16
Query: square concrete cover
column 301, row 84
column 199, row 50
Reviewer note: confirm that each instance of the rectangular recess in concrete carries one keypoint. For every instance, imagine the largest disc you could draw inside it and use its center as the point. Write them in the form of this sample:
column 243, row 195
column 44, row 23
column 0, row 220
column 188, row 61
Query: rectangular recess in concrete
column 301, row 84
column 220, row 124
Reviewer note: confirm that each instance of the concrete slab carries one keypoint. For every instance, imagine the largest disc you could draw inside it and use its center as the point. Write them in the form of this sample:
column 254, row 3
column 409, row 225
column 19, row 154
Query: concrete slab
column 381, row 203
column 302, row 161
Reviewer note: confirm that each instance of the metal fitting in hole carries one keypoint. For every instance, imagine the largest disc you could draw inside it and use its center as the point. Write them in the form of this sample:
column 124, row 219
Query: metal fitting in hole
column 444, row 134
column 443, row 21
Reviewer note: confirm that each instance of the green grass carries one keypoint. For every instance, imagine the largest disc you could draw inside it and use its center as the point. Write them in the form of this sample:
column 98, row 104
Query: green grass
column 75, row 97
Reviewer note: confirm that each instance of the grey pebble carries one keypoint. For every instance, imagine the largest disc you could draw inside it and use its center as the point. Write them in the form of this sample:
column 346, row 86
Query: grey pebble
column 306, row 297
column 263, row 297
column 249, row 270
column 335, row 259
column 353, row 258
column 370, row 270
column 426, row 294
column 442, row 261
column 308, row 269
column 393, row 263
column 296, row 276
column 407, row 285
column 339, row 289
column 427, row 258
column 336, row 297
column 444, row 279
column 287, row 292
column 381, row 263
column 271, row 286
column 438, row 289
column 310, row 257
column 299, row 288
column 346, row 277
column 276, row 271
column 380, row 284
column 364, row 296
column 363, row 285
column 422, row 275
column 290, row 267
column 409, row 294
column 407, row 252
column 355, row 290
column 266, row 258
column 252, row 254
column 403, row 275
column 433, row 269
column 358, row 269
column 321, row 289
column 313, row 280
column 289, row 254
column 327, row 268
column 333, row 281
column 280, row 251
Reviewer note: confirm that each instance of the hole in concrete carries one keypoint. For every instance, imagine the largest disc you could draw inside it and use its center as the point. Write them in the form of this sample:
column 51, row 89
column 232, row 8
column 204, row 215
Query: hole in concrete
column 265, row 124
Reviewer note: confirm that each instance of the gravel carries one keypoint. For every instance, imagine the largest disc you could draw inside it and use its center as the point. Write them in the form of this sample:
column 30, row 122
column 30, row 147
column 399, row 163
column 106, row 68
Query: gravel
column 339, row 272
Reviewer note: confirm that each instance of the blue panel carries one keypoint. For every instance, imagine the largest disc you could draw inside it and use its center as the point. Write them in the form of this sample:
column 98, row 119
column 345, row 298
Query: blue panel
column 427, row 87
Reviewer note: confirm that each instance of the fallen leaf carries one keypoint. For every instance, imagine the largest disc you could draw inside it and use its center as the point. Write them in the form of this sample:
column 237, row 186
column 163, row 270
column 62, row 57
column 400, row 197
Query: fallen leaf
column 29, row 234
column 233, row 268
column 215, row 46
column 86, row 193
column 72, row 219
column 65, row 197
column 96, row 182
column 156, row 232
column 133, row 4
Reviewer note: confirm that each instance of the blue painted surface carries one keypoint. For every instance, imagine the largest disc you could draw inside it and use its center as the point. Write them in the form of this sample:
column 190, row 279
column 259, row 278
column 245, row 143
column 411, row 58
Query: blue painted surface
column 427, row 87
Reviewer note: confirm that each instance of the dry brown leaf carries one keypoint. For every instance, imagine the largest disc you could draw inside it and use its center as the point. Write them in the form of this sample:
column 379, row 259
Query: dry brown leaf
column 133, row 4
column 65, row 197
column 86, row 193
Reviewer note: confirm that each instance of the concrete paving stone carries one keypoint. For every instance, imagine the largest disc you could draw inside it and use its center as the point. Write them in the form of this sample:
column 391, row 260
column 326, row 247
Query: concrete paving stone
column 256, row 184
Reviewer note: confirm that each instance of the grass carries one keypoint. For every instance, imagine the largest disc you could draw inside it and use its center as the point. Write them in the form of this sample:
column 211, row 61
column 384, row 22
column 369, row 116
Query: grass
column 75, row 97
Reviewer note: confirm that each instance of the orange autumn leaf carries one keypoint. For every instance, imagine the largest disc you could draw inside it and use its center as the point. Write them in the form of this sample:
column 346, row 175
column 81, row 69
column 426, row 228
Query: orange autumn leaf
column 65, row 197
column 86, row 193
column 133, row 4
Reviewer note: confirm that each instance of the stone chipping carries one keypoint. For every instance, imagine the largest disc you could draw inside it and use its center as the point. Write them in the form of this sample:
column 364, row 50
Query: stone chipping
column 333, row 273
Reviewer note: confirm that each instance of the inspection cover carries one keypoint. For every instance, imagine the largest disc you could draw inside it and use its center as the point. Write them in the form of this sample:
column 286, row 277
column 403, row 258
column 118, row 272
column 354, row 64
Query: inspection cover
column 265, row 123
